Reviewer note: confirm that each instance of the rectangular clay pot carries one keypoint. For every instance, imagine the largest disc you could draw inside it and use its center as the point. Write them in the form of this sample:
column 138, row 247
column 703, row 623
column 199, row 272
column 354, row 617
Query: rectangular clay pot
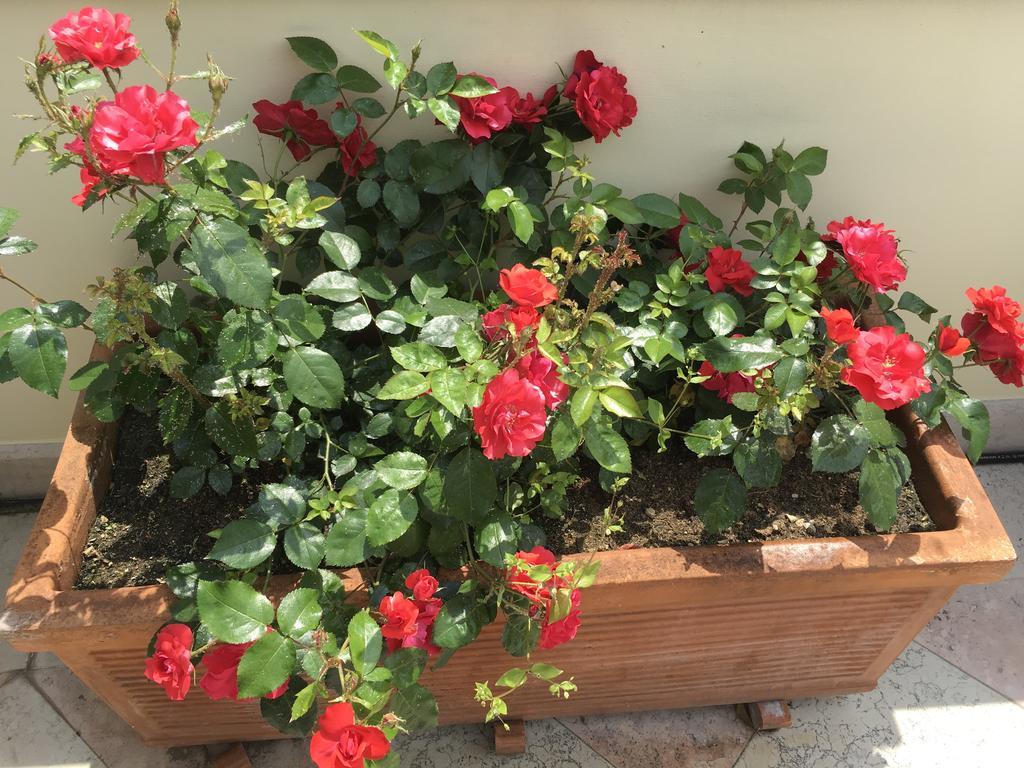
column 662, row 628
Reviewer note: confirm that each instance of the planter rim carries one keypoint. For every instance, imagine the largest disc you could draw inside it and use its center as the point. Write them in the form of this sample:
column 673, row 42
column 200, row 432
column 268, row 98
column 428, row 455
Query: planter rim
column 970, row 547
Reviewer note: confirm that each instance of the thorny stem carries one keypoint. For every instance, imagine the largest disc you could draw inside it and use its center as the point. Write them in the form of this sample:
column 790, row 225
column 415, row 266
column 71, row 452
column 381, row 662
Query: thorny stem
column 736, row 221
column 36, row 298
column 110, row 81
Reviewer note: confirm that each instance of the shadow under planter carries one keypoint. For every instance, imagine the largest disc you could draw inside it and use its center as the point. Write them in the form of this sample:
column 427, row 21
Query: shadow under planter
column 663, row 628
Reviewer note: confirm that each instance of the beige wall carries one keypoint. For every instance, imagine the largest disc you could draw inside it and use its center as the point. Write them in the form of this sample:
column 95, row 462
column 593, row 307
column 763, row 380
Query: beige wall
column 920, row 104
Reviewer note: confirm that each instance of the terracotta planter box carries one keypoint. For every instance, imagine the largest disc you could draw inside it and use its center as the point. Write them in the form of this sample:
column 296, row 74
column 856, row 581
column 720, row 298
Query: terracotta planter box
column 706, row 625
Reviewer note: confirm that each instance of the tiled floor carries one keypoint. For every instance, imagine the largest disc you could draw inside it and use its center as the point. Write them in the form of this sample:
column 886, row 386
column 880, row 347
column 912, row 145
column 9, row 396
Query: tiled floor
column 954, row 699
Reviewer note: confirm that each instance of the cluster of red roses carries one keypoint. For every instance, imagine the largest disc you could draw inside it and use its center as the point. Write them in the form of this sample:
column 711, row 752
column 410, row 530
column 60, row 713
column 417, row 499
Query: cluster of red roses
column 131, row 135
column 302, row 129
column 410, row 623
column 512, row 416
column 542, row 596
column 598, row 93
column 170, row 665
column 995, row 333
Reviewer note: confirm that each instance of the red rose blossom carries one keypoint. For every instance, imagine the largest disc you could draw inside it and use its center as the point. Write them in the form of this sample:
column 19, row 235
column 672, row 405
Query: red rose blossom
column 511, row 419
column 839, row 325
column 95, row 35
column 996, row 333
column 299, row 128
column 482, row 116
column 871, row 252
column 171, row 662
column 340, row 743
column 542, row 372
column 527, row 287
column 725, row 385
column 528, row 111
column 951, row 343
column 422, row 584
column 519, row 578
column 886, row 368
column 728, row 269
column 496, row 322
column 602, row 102
column 357, row 152
column 553, row 633
column 131, row 134
column 87, row 174
column 585, row 62
column 220, row 680
column 399, row 615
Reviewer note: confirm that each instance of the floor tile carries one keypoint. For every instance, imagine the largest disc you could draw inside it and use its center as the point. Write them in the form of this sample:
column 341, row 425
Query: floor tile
column 711, row 737
column 33, row 735
column 548, row 745
column 925, row 712
column 981, row 631
column 1004, row 484
column 14, row 529
column 106, row 733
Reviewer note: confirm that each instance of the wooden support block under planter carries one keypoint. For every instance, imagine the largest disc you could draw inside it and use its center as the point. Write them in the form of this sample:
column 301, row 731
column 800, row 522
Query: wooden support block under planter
column 235, row 757
column 706, row 625
column 511, row 741
column 765, row 715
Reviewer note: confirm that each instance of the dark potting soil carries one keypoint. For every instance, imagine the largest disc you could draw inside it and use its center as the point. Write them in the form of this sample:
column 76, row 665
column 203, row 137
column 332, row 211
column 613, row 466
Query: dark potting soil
column 658, row 511
column 140, row 529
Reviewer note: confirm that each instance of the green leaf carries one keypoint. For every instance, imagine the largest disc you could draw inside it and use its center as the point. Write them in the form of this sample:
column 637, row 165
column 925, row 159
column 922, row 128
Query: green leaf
column 404, row 386
column 401, row 200
column 972, row 415
column 381, row 45
column 758, row 462
column 232, row 262
column 247, row 339
column 441, row 78
column 723, row 313
column 244, row 544
column 416, row 706
column 390, row 321
column 520, row 635
column 368, row 193
column 449, row 388
column 265, row 665
column 187, row 482
column 521, row 220
column 798, row 187
column 565, row 436
column 874, row 421
column 39, row 353
column 278, row 712
column 16, row 246
column 169, row 305
column 337, row 286
column 459, row 621
column 233, row 611
column 468, row 343
column 472, row 86
column 470, row 487
column 913, row 303
column 299, row 612
column 789, row 375
column 418, row 356
column 496, row 539
column 299, row 320
column 879, row 490
column 357, row 79
column 314, row 52
column 346, row 541
column 315, row 88
column 712, row 437
column 446, row 111
column 625, row 210
column 406, row 665
column 512, row 678
column 304, row 700
column 839, row 444
column 607, row 447
column 65, row 313
column 12, row 318
column 279, row 505
column 658, row 210
column 786, row 246
column 720, row 499
column 341, row 249
column 620, row 402
column 364, row 642
column 7, row 218
column 235, row 435
column 351, row 317
column 730, row 355
column 305, row 546
column 582, row 404
column 91, row 371
column 811, row 161
column 402, row 470
column 314, row 377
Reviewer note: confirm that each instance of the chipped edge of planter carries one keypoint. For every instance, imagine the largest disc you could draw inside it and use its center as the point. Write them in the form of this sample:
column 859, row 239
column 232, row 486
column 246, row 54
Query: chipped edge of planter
column 43, row 608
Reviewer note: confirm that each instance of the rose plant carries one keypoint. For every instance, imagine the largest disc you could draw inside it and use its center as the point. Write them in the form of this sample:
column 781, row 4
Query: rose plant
column 423, row 344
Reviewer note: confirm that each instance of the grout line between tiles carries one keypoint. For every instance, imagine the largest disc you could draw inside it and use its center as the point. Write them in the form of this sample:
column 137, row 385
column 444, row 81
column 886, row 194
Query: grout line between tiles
column 943, row 659
column 30, row 678
column 739, row 757
column 576, row 736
